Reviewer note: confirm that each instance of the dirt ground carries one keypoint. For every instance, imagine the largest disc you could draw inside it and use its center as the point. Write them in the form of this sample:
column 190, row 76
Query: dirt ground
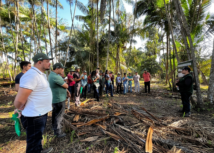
column 123, row 127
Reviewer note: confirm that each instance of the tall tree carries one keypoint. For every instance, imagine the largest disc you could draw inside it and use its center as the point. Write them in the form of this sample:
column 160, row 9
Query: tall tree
column 185, row 27
column 109, row 32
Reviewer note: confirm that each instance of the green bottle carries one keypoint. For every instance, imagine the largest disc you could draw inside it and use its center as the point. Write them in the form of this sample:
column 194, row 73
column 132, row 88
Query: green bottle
column 17, row 124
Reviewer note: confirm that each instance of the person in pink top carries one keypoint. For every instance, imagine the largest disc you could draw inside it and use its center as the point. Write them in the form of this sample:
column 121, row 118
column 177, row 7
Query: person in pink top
column 146, row 77
column 71, row 83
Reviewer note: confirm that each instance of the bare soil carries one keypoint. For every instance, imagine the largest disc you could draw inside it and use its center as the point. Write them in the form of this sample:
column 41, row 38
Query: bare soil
column 117, row 115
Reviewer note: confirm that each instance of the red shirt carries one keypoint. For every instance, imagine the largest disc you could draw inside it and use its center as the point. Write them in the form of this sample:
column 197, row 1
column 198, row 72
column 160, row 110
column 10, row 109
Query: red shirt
column 89, row 79
column 146, row 77
column 70, row 83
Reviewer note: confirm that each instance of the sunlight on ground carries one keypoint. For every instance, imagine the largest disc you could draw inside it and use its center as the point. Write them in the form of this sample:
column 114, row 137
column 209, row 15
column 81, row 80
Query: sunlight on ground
column 204, row 87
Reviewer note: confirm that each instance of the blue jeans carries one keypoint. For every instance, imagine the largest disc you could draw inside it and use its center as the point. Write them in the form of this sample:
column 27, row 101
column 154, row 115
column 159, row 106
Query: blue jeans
column 125, row 86
column 109, row 88
column 34, row 127
column 130, row 85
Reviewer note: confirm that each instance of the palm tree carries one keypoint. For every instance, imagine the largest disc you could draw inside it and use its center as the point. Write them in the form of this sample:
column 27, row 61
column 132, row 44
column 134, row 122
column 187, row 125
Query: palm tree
column 109, row 32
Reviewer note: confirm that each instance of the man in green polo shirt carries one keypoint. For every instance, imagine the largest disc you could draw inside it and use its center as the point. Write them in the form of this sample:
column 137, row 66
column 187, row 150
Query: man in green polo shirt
column 59, row 92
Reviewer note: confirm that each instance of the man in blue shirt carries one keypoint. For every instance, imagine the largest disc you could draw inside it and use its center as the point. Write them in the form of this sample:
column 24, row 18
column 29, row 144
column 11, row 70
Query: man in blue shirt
column 84, row 83
column 125, row 83
column 25, row 66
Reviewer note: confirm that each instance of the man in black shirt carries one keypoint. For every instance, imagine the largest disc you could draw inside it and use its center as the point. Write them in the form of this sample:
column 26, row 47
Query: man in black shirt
column 185, row 85
column 25, row 66
column 77, row 86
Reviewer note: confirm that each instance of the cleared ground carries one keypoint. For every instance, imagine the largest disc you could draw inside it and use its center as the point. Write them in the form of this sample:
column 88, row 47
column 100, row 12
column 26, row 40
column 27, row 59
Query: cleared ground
column 122, row 125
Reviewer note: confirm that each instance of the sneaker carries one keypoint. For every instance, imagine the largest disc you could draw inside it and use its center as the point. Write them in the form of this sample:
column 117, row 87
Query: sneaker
column 47, row 150
column 60, row 135
column 187, row 114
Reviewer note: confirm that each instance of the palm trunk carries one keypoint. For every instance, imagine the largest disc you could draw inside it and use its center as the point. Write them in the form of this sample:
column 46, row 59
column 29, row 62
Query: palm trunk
column 33, row 23
column 171, row 30
column 117, row 60
column 49, row 31
column 109, row 26
column 42, row 22
column 56, row 43
column 97, row 36
column 167, row 53
column 71, row 30
column 17, row 36
column 131, row 40
column 210, row 92
column 187, row 33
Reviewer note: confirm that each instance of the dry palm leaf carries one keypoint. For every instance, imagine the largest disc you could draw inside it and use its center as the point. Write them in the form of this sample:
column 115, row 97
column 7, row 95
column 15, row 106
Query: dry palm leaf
column 149, row 141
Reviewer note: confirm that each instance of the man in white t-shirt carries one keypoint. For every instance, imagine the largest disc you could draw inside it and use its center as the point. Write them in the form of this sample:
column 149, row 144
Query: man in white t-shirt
column 34, row 101
column 136, row 78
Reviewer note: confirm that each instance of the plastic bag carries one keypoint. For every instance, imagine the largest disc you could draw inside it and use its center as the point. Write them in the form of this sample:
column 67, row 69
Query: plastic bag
column 81, row 90
column 17, row 124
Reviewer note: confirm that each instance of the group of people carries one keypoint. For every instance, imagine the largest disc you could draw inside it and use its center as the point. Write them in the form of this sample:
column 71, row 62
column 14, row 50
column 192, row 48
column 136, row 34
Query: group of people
column 37, row 95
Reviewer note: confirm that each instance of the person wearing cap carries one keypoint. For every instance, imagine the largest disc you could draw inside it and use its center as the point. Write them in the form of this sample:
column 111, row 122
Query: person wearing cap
column 125, row 83
column 108, row 84
column 95, row 78
column 33, row 102
column 59, row 92
column 136, row 78
column 185, row 85
column 84, row 83
column 146, row 77
column 90, row 83
column 71, row 83
column 119, row 82
column 77, row 86
column 130, row 79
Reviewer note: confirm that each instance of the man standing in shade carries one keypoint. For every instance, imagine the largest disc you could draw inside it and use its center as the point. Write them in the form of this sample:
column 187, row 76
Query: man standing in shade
column 84, row 84
column 77, row 86
column 130, row 79
column 33, row 101
column 146, row 77
column 118, row 82
column 185, row 85
column 136, row 78
column 25, row 66
column 125, row 84
column 59, row 91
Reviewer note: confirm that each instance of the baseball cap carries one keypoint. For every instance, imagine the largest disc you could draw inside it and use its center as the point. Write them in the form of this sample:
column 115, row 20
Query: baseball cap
column 84, row 71
column 40, row 57
column 72, row 70
column 145, row 69
column 186, row 68
column 58, row 65
column 118, row 73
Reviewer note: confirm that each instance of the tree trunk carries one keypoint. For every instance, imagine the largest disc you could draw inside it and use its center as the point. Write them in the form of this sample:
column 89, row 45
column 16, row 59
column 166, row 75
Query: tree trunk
column 49, row 31
column 42, row 22
column 72, row 23
column 97, row 36
column 109, row 31
column 17, row 36
column 56, row 43
column 117, row 60
column 171, row 30
column 210, row 92
column 187, row 33
column 167, row 53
